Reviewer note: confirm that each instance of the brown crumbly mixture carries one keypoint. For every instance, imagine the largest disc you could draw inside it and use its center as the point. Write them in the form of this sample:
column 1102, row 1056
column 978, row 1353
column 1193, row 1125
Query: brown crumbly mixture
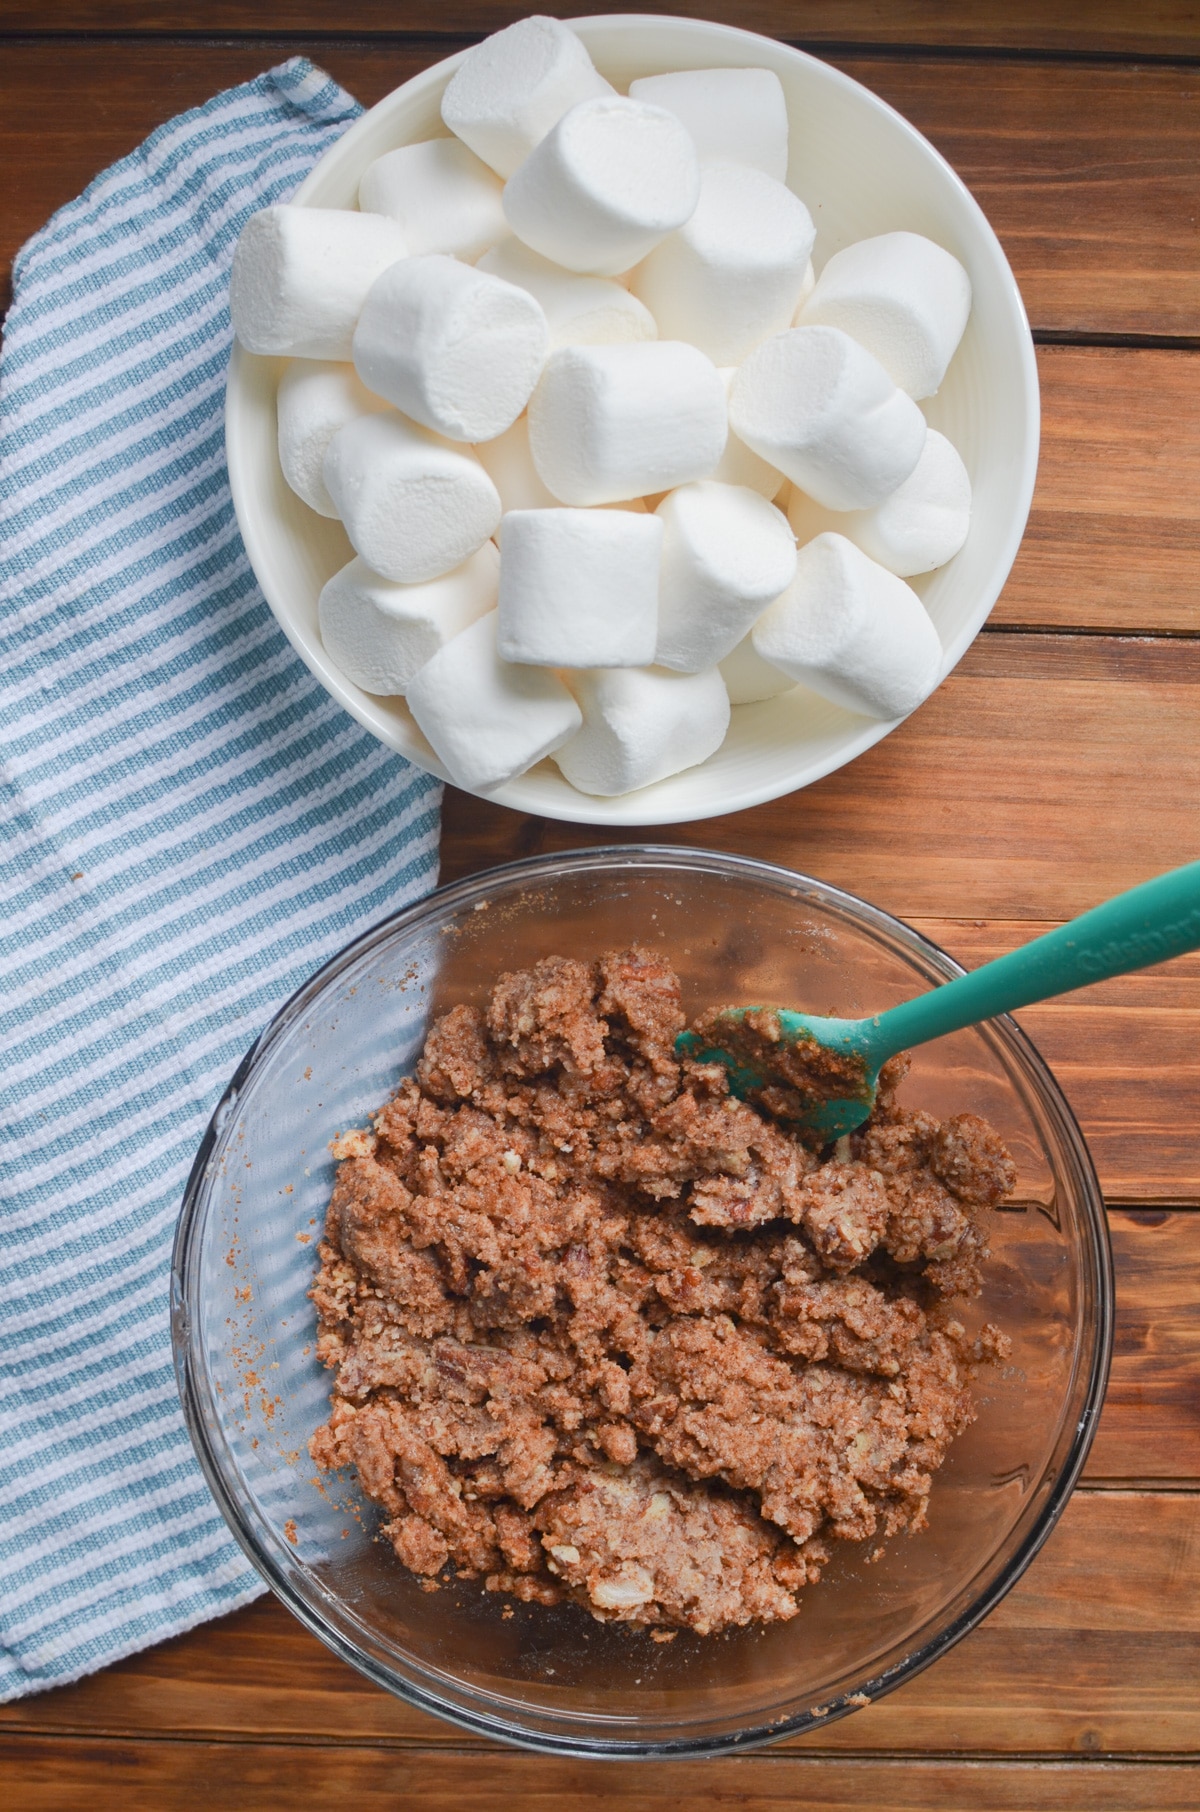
column 799, row 1073
column 603, row 1332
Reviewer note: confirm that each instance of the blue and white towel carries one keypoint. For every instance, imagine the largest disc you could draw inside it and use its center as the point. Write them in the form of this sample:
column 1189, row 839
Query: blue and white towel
column 188, row 827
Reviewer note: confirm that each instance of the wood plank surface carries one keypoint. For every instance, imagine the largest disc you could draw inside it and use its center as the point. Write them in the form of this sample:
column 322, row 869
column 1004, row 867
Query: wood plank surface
column 1113, row 540
column 277, row 1777
column 1085, row 172
column 1116, row 27
column 1038, row 1679
column 1100, row 225
column 1084, row 1657
column 68, row 110
column 1150, row 1425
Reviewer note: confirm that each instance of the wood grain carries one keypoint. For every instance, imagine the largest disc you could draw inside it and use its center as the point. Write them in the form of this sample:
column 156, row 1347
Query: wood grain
column 67, row 110
column 1065, row 1666
column 1150, row 1426
column 1113, row 540
column 1101, row 227
column 1075, row 198
column 277, row 1777
column 1154, row 27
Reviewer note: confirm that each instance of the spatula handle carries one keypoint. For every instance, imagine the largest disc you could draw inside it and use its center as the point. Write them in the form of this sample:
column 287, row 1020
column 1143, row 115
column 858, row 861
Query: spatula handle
column 1147, row 925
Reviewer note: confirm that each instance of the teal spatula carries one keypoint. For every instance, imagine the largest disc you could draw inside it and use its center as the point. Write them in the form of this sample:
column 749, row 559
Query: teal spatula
column 827, row 1069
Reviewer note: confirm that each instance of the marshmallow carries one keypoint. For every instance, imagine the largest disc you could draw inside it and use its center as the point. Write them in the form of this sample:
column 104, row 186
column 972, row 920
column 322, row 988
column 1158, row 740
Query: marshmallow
column 726, row 554
column 508, row 462
column 315, row 399
column 806, row 290
column 604, row 186
column 412, row 506
column 381, row 634
column 613, row 422
column 580, row 311
column 737, row 464
column 819, row 407
column 852, row 631
column 641, row 724
column 440, row 194
column 920, row 526
column 486, row 719
column 733, row 115
column 732, row 273
column 748, row 678
column 579, row 588
column 454, row 348
column 301, row 275
column 903, row 298
column 508, row 91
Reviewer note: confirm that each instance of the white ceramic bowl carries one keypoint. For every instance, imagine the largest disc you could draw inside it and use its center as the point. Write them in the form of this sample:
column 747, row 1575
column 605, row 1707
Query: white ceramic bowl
column 861, row 169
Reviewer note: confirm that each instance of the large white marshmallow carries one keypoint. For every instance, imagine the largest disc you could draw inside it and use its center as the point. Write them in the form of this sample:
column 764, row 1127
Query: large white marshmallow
column 738, row 464
column 440, row 194
column 814, row 403
column 902, row 297
column 488, row 719
column 919, row 527
column 806, row 290
column 508, row 462
column 452, row 347
column 412, row 506
column 749, row 679
column 315, row 399
column 580, row 311
column 508, row 91
column 640, row 725
column 738, row 115
column 301, row 275
column 604, row 186
column 381, row 634
column 613, row 422
column 727, row 553
column 852, row 631
column 733, row 273
column 579, row 588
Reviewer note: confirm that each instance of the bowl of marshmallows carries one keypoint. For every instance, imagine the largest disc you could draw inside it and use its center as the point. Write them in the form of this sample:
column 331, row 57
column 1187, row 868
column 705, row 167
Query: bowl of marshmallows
column 630, row 421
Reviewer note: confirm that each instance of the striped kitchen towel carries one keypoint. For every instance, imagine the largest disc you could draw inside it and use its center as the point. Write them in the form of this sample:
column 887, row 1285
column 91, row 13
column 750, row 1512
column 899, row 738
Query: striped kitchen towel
column 188, row 827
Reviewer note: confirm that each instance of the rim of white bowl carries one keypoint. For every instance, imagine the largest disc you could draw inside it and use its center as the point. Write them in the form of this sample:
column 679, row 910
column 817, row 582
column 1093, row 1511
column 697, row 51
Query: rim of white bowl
column 542, row 790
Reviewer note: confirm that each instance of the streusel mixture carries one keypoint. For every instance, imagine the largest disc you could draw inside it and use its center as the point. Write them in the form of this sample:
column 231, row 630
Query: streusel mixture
column 600, row 1331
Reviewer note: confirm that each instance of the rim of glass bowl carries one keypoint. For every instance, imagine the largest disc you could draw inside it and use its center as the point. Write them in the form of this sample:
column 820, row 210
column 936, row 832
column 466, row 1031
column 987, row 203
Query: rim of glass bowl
column 317, row 1607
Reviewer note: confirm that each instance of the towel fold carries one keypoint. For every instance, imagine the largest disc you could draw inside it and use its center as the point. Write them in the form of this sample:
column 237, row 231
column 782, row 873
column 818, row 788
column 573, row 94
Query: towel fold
column 188, row 826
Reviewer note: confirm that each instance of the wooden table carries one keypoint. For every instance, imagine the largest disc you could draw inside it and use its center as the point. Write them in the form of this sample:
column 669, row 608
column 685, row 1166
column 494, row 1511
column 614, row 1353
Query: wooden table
column 1060, row 763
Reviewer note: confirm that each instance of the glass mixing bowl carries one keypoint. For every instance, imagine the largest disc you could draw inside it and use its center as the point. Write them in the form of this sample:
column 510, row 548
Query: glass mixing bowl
column 253, row 1392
